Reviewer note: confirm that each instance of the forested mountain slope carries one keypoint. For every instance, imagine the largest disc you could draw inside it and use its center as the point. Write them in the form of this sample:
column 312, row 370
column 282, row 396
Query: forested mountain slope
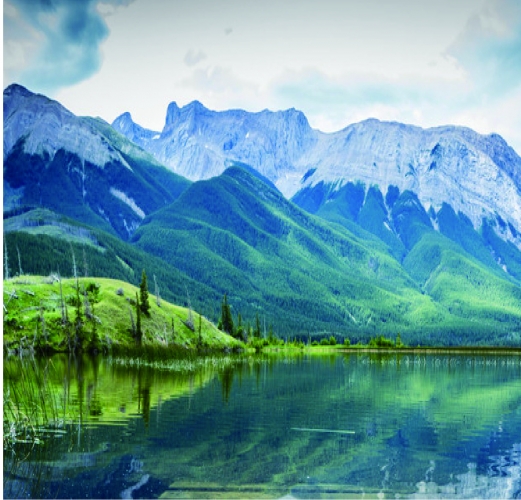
column 242, row 237
column 360, row 250
column 79, row 167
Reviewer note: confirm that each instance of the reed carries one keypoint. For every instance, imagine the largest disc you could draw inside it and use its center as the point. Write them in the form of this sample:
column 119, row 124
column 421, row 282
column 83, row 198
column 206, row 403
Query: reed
column 188, row 364
column 31, row 407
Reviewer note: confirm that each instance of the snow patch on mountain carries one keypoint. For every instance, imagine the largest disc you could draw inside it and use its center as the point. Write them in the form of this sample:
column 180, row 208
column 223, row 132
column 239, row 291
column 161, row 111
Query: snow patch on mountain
column 120, row 195
column 442, row 164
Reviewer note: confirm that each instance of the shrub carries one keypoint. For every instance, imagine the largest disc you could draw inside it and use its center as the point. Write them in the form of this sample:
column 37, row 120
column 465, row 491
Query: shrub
column 381, row 341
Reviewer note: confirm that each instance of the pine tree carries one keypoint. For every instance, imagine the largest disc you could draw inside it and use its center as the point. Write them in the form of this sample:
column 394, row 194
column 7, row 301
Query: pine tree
column 139, row 333
column 271, row 335
column 78, row 320
column 257, row 331
column 143, row 295
column 226, row 316
column 240, row 328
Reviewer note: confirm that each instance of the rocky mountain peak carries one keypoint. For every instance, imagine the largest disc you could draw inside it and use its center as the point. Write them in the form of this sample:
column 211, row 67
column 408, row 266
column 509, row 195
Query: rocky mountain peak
column 45, row 127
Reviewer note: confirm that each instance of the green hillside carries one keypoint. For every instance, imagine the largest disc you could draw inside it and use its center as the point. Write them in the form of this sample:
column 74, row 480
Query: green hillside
column 114, row 198
column 375, row 266
column 241, row 237
column 42, row 312
column 42, row 242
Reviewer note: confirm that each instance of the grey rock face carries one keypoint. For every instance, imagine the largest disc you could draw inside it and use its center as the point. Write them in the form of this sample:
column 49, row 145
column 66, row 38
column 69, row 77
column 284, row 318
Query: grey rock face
column 47, row 127
column 478, row 175
column 198, row 143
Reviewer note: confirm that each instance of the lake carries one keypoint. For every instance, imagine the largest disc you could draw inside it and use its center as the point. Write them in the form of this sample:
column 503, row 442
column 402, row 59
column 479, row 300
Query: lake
column 386, row 425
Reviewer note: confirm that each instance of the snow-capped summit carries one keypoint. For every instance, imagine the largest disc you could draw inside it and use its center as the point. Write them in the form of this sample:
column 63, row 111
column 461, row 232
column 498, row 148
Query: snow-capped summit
column 134, row 132
column 79, row 166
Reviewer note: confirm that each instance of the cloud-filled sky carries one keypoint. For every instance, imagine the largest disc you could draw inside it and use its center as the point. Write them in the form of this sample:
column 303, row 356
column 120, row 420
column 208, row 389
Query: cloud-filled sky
column 339, row 61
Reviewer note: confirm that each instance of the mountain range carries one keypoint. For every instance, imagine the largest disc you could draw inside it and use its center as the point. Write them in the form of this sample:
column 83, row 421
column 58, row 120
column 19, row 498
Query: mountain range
column 379, row 228
column 479, row 175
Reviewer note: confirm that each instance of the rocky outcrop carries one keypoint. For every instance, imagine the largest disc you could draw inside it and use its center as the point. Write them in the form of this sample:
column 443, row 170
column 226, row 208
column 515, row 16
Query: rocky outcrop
column 479, row 175
column 46, row 127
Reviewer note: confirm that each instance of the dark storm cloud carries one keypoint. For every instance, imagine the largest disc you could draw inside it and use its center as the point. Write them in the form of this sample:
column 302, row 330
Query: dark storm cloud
column 70, row 34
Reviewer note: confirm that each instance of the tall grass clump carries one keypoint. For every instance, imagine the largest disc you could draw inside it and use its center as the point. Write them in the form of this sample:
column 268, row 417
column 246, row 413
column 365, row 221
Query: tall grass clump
column 31, row 408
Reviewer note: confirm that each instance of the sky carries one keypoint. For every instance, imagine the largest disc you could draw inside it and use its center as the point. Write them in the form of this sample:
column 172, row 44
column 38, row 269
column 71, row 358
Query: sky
column 426, row 63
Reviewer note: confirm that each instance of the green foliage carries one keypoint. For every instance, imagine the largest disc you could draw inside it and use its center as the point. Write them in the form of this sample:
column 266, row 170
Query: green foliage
column 301, row 273
column 226, row 317
column 33, row 320
column 381, row 342
column 144, row 303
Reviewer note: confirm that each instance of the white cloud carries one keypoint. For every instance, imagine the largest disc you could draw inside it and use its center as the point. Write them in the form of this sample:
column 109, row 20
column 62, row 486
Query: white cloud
column 339, row 62
column 192, row 57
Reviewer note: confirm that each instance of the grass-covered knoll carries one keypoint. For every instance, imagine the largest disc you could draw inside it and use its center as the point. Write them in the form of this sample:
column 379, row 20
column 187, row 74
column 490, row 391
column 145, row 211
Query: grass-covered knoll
column 53, row 247
column 41, row 312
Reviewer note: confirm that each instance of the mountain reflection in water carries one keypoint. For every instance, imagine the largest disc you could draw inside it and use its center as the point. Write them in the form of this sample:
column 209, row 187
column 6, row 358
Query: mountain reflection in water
column 421, row 426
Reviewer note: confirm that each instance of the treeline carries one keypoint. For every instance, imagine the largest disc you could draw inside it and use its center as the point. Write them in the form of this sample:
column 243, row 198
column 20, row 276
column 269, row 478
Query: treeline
column 44, row 255
column 355, row 311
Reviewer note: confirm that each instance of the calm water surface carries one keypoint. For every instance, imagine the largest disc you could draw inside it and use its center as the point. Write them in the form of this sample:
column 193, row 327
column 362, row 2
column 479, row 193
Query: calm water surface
column 319, row 426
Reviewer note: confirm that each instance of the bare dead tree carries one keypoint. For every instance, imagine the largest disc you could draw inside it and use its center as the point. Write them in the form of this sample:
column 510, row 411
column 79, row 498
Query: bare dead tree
column 6, row 261
column 65, row 315
column 20, row 272
column 86, row 304
column 85, row 266
column 158, row 298
column 190, row 320
column 133, row 324
column 42, row 322
column 74, row 269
